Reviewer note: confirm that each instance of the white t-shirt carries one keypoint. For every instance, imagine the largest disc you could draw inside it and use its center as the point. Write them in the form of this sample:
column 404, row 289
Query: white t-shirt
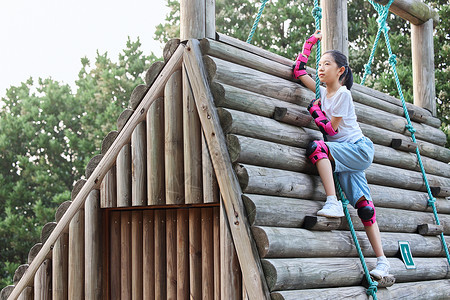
column 341, row 105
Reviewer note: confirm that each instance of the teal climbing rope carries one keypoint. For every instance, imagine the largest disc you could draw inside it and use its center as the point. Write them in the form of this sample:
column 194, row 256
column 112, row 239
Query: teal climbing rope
column 255, row 24
column 382, row 27
column 372, row 290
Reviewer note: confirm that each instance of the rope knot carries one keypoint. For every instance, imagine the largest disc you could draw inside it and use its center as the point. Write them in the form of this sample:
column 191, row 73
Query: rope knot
column 431, row 201
column 410, row 128
column 317, row 12
column 393, row 59
column 344, row 201
column 368, row 69
column 372, row 290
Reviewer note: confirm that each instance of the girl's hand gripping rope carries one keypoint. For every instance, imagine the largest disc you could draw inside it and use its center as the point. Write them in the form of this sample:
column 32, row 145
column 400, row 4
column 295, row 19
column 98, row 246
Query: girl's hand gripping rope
column 320, row 119
column 299, row 69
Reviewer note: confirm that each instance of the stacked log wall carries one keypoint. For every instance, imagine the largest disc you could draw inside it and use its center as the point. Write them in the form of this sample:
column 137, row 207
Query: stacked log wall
column 283, row 192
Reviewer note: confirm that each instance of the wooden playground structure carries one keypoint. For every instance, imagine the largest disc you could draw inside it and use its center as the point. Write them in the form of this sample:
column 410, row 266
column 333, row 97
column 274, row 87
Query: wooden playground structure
column 204, row 190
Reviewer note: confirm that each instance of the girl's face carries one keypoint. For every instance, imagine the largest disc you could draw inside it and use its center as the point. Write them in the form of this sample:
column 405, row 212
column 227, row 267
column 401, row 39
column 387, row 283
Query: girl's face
column 328, row 71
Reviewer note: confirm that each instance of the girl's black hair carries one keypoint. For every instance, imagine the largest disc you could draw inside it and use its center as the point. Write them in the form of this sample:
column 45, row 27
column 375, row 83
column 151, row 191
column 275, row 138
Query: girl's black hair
column 341, row 61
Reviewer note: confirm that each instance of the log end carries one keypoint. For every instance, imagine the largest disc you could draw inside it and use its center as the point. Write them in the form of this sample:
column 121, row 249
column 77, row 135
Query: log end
column 234, row 147
column 210, row 67
column 218, row 92
column 108, row 141
column 92, row 164
column 153, row 72
column 262, row 241
column 123, row 118
column 6, row 291
column 250, row 208
column 204, row 46
column 19, row 273
column 384, row 282
column 279, row 113
column 226, row 120
column 270, row 272
column 46, row 231
column 321, row 223
column 170, row 48
column 77, row 188
column 62, row 210
column 242, row 175
column 33, row 252
column 137, row 95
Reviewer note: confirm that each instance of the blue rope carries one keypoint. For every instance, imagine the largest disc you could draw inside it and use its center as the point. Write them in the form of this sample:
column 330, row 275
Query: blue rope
column 382, row 27
column 372, row 290
column 255, row 24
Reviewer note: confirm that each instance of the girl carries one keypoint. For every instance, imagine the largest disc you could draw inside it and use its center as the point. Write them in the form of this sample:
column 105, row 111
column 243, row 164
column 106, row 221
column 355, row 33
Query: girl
column 347, row 151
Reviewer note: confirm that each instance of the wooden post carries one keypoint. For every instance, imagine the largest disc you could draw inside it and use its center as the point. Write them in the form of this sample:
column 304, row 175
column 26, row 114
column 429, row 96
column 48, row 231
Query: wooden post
column 183, row 254
column 108, row 187
column 173, row 126
column 125, row 255
column 138, row 166
column 76, row 256
column 334, row 26
column 192, row 19
column 136, row 255
column 210, row 13
column 160, row 254
column 43, row 281
column 114, row 259
column 148, row 260
column 195, row 253
column 93, row 247
column 171, row 248
column 123, row 167
column 422, row 48
column 207, row 254
column 216, row 239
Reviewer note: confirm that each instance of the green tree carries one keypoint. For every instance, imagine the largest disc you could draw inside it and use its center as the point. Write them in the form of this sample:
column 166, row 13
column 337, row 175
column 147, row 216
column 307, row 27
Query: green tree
column 48, row 135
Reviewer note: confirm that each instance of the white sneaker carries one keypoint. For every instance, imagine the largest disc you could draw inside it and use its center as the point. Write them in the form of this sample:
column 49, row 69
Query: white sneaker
column 381, row 270
column 332, row 209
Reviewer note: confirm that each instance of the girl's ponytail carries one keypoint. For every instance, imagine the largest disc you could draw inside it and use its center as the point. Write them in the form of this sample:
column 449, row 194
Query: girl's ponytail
column 341, row 61
column 348, row 78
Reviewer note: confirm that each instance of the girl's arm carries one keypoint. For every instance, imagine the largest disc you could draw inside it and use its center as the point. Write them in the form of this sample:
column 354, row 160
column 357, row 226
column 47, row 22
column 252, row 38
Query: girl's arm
column 302, row 59
column 335, row 122
column 308, row 82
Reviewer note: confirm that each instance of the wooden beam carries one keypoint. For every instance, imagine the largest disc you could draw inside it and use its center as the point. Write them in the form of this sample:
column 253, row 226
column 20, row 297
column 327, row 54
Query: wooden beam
column 228, row 184
column 105, row 164
column 415, row 11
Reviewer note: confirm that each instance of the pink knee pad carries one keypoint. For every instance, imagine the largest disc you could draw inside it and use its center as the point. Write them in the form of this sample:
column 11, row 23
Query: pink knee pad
column 366, row 212
column 317, row 150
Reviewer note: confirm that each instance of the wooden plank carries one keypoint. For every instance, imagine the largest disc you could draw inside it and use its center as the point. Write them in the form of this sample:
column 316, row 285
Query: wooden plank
column 136, row 255
column 138, row 166
column 114, row 259
column 195, row 253
column 207, row 254
column 76, row 255
column 43, row 281
column 160, row 254
column 124, row 176
column 231, row 276
column 93, row 247
column 173, row 126
column 148, row 261
column 229, row 186
column 192, row 147
column 171, row 250
column 182, row 254
column 155, row 153
column 125, row 255
column 108, row 188
column 216, row 242
column 105, row 164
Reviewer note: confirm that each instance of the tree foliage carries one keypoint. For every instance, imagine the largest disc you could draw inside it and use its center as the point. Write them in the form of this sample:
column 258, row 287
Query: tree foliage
column 48, row 135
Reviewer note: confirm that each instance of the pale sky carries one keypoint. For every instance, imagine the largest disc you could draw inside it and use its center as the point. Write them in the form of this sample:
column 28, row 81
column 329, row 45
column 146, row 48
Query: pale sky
column 47, row 38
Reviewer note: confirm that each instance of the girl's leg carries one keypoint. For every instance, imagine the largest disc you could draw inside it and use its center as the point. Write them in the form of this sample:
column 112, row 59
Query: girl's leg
column 326, row 174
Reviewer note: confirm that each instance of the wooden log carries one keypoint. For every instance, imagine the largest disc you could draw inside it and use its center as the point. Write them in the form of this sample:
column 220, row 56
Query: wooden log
column 153, row 72
column 415, row 11
column 43, row 281
column 192, row 139
column 272, row 86
column 182, row 254
column 114, row 259
column 27, row 294
column 125, row 255
column 136, row 255
column 77, row 188
column 360, row 93
column 148, row 260
column 19, row 273
column 171, row 248
column 402, row 145
column 137, row 95
column 123, row 176
column 108, row 141
column 210, row 19
column 433, row 289
column 231, row 277
column 422, row 49
column 299, row 273
column 169, row 49
column 192, row 19
column 207, row 254
column 123, row 118
column 6, row 292
column 108, row 188
column 441, row 191
column 76, row 256
column 430, row 229
column 318, row 223
column 155, row 153
column 216, row 239
column 92, row 164
column 138, row 166
column 160, row 254
column 60, row 268
column 334, row 24
column 47, row 230
column 93, row 263
column 297, row 117
column 33, row 253
column 107, row 162
column 279, row 242
column 195, row 253
column 61, row 210
column 229, row 186
column 173, row 126
column 292, row 212
column 211, row 193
